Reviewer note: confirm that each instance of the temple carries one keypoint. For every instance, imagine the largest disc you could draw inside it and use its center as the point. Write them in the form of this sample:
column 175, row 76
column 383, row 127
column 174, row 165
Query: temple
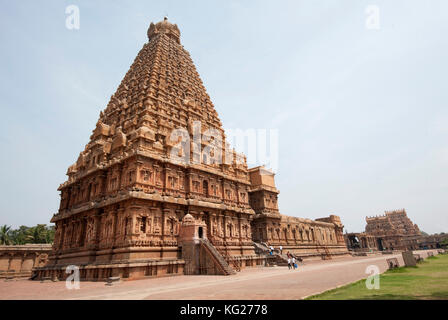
column 147, row 198
column 391, row 231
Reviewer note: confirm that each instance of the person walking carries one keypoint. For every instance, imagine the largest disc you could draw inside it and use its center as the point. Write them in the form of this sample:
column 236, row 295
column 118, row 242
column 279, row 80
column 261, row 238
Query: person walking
column 289, row 263
column 281, row 250
column 294, row 263
column 272, row 250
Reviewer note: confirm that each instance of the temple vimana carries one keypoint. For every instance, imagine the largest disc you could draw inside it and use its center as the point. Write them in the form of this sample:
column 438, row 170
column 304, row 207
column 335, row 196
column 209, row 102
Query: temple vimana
column 131, row 208
column 391, row 231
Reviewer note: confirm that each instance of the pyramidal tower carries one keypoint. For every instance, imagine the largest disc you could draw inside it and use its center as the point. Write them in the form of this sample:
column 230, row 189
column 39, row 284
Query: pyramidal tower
column 122, row 206
column 157, row 189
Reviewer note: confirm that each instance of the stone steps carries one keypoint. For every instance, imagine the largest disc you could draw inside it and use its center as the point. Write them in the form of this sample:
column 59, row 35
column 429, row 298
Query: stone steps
column 218, row 257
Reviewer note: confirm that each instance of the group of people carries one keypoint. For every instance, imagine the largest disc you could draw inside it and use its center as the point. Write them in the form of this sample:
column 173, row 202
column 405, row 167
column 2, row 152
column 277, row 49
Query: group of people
column 292, row 264
column 271, row 250
column 292, row 261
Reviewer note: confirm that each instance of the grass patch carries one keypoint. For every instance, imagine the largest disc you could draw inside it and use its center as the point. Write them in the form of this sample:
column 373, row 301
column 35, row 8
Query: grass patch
column 427, row 281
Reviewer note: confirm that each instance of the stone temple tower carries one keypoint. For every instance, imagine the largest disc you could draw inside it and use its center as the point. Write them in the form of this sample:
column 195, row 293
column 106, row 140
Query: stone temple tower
column 159, row 154
column 123, row 202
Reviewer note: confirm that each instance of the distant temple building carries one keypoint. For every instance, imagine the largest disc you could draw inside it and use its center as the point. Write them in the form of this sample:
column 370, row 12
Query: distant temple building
column 134, row 205
column 391, row 231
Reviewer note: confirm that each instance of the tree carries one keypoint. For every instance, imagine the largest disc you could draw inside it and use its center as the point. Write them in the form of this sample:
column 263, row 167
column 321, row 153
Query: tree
column 5, row 238
column 49, row 237
column 38, row 234
column 23, row 235
column 19, row 236
column 444, row 243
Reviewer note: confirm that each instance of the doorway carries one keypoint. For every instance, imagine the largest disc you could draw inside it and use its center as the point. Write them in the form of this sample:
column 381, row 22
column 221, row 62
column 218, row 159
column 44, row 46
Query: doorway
column 380, row 244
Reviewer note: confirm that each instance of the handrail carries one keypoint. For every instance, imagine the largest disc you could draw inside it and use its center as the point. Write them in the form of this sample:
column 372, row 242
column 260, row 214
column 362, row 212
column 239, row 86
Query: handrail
column 214, row 255
column 326, row 255
column 226, row 255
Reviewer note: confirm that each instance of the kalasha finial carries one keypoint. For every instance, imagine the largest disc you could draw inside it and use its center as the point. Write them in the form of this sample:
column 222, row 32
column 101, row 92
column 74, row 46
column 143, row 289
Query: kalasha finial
column 164, row 27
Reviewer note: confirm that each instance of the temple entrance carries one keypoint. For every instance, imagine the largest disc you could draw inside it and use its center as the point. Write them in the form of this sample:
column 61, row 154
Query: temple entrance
column 200, row 232
column 380, row 244
column 207, row 220
column 353, row 241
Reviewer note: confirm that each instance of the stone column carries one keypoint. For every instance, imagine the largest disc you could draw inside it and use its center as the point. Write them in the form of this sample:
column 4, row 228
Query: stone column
column 119, row 233
column 11, row 256
column 240, row 231
column 165, row 176
column 97, row 228
column 114, row 226
column 165, row 212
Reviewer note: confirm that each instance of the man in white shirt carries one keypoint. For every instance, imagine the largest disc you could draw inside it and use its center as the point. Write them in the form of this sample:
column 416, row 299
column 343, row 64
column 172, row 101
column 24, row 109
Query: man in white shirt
column 281, row 250
column 294, row 262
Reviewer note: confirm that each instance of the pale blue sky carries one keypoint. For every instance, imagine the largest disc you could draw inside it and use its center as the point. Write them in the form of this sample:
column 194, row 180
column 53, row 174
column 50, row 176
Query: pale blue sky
column 362, row 114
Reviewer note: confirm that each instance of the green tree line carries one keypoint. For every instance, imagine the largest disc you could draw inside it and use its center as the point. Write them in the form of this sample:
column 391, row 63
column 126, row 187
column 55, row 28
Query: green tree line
column 23, row 235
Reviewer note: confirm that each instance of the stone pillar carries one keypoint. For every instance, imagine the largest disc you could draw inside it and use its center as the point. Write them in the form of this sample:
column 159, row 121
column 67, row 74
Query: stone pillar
column 114, row 226
column 119, row 229
column 97, row 228
column 239, row 228
column 61, row 224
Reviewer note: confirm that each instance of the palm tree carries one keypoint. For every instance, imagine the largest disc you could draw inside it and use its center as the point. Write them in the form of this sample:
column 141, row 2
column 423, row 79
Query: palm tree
column 19, row 236
column 49, row 236
column 4, row 235
column 37, row 234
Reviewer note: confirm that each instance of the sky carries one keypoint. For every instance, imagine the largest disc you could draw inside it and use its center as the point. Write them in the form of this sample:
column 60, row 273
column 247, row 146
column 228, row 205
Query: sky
column 360, row 108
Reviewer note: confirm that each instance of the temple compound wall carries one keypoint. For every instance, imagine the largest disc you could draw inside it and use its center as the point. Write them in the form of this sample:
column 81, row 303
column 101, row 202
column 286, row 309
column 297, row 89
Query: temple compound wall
column 304, row 237
column 19, row 260
column 145, row 169
column 433, row 241
column 361, row 242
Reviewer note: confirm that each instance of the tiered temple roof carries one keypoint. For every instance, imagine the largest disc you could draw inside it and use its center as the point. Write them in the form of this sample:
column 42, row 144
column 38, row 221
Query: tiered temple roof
column 162, row 91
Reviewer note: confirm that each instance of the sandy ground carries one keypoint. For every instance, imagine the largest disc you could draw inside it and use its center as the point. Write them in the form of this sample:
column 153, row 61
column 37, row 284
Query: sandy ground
column 251, row 284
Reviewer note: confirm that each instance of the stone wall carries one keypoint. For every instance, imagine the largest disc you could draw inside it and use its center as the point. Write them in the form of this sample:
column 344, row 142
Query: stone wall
column 361, row 242
column 19, row 260
column 304, row 237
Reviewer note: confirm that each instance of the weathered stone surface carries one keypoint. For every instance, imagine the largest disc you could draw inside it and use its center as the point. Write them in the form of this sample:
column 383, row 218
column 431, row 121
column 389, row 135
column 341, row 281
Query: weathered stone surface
column 125, row 197
column 409, row 259
column 392, row 231
column 18, row 261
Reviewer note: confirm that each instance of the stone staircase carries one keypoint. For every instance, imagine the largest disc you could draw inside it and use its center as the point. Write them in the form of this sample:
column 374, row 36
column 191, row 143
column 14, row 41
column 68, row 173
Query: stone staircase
column 217, row 257
column 276, row 258
column 281, row 259
column 323, row 251
column 260, row 248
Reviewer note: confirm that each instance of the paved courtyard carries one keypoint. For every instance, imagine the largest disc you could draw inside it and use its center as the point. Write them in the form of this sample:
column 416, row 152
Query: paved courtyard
column 251, row 284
